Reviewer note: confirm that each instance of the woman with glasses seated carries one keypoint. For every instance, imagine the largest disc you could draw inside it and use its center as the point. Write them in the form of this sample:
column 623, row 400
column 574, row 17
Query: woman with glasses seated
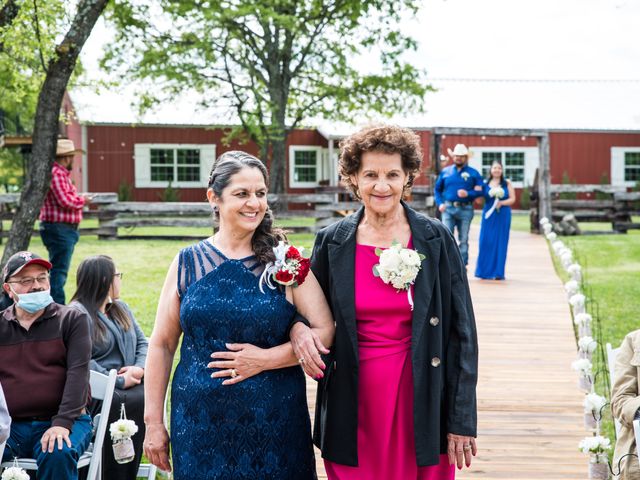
column 117, row 343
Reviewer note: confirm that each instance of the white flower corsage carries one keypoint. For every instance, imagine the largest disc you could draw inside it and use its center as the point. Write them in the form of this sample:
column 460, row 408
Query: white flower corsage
column 289, row 267
column 399, row 267
column 496, row 193
column 465, row 176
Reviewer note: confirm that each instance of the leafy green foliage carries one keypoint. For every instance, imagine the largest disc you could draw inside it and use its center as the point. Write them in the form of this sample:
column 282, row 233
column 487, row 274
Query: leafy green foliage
column 11, row 174
column 275, row 64
column 170, row 194
column 125, row 191
column 566, row 180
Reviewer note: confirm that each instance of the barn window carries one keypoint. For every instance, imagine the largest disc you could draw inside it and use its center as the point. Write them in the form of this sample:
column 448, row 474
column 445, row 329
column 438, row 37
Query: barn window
column 513, row 164
column 625, row 166
column 305, row 166
column 183, row 165
column 632, row 166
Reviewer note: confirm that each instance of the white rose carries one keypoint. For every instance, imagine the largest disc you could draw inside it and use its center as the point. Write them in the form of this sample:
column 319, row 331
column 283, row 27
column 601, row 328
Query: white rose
column 577, row 300
column 390, row 259
column 593, row 403
column 587, row 344
column 583, row 366
column 548, row 228
column 551, row 236
column 410, row 257
column 582, row 319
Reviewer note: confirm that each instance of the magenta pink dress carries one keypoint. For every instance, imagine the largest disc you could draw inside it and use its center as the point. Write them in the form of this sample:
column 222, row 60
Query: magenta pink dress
column 386, row 447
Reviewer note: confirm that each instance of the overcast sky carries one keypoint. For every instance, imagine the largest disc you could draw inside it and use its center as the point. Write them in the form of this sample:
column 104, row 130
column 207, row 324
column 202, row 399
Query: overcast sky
column 585, row 39
column 495, row 39
column 577, row 39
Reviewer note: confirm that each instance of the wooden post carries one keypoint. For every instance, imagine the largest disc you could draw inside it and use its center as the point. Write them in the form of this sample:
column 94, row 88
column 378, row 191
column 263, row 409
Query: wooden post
column 544, row 179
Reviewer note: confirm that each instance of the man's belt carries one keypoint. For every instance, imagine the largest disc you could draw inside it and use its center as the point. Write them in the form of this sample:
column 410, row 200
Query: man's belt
column 457, row 204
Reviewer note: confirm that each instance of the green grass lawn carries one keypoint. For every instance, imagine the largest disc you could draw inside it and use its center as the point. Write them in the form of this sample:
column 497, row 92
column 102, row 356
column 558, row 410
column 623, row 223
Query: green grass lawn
column 611, row 271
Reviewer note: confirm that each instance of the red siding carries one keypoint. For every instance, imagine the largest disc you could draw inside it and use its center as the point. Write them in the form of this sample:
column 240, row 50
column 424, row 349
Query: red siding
column 585, row 156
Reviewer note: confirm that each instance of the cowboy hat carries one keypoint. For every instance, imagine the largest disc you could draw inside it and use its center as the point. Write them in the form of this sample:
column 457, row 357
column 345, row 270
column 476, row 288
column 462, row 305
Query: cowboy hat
column 66, row 148
column 460, row 150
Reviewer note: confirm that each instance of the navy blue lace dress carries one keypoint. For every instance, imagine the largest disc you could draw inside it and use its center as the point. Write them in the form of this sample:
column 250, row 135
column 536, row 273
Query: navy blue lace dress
column 258, row 428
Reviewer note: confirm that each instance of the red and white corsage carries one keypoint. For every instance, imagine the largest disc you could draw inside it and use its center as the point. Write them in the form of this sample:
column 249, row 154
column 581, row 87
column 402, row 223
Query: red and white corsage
column 290, row 268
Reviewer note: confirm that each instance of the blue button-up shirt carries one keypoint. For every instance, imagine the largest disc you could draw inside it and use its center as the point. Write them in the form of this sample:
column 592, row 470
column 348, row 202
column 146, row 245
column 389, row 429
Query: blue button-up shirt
column 451, row 180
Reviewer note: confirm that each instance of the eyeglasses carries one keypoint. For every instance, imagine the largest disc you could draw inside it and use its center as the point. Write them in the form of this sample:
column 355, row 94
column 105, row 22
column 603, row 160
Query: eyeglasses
column 29, row 281
column 119, row 275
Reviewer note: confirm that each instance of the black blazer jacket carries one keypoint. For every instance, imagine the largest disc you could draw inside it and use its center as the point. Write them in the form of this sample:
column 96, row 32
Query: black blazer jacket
column 444, row 349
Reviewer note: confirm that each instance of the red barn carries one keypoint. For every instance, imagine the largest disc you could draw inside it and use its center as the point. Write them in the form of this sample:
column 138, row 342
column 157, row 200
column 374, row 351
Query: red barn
column 594, row 137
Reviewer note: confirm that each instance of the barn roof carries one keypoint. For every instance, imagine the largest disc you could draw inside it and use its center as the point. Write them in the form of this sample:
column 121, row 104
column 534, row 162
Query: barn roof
column 607, row 105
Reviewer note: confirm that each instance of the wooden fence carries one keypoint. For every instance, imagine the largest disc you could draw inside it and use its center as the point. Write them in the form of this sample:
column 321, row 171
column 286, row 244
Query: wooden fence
column 616, row 206
column 326, row 207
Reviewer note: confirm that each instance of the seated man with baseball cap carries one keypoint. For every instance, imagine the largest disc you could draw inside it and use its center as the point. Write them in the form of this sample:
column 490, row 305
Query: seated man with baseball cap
column 45, row 349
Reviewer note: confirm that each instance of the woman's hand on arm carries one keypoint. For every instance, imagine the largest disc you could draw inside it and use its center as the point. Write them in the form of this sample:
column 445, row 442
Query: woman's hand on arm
column 162, row 346
column 460, row 449
column 308, row 343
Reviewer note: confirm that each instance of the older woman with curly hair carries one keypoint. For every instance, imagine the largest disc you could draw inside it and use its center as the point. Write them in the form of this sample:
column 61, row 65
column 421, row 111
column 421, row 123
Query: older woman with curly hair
column 398, row 393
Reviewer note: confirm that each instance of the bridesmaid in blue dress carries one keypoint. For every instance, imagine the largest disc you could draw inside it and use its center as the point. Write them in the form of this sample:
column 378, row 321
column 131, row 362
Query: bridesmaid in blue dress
column 495, row 225
column 238, row 397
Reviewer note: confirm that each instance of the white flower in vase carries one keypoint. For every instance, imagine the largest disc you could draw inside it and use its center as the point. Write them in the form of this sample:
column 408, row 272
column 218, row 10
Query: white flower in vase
column 547, row 228
column 593, row 404
column 587, row 344
column 583, row 366
column 15, row 473
column 596, row 447
column 582, row 319
column 544, row 221
column 122, row 429
column 557, row 246
column 577, row 302
column 551, row 236
column 571, row 287
column 575, row 271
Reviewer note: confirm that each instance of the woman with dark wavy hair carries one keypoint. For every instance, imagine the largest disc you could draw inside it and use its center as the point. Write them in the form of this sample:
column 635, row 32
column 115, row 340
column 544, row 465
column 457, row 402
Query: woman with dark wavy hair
column 117, row 343
column 238, row 396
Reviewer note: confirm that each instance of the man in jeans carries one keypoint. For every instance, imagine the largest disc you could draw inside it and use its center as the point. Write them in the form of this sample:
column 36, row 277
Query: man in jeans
column 458, row 185
column 60, row 216
column 45, row 350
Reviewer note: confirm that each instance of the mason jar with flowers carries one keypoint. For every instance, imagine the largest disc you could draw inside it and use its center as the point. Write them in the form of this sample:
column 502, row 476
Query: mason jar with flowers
column 597, row 447
column 593, row 405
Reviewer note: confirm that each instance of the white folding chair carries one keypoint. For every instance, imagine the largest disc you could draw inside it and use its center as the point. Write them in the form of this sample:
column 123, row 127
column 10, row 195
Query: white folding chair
column 612, row 353
column 2, row 449
column 102, row 387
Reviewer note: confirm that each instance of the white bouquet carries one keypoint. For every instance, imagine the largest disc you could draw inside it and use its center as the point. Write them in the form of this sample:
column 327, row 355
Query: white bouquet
column 123, row 428
column 399, row 267
column 582, row 319
column 593, row 403
column 551, row 236
column 594, row 444
column 587, row 344
column 544, row 221
column 575, row 271
column 496, row 193
column 557, row 246
column 547, row 228
column 571, row 287
column 15, row 473
column 583, row 367
column 577, row 302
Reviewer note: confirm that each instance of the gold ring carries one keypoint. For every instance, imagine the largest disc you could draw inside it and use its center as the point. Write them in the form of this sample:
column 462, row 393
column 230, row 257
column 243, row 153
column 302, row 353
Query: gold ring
column 466, row 447
column 234, row 373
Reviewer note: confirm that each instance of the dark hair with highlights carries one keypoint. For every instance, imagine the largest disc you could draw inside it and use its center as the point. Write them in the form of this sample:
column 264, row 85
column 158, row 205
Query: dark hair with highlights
column 93, row 281
column 228, row 164
column 380, row 138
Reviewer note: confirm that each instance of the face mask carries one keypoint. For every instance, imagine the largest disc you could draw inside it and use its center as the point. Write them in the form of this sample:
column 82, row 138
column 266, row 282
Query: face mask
column 32, row 302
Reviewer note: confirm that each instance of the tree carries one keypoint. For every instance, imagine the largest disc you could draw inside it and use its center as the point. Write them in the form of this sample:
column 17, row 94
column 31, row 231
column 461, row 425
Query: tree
column 274, row 63
column 59, row 63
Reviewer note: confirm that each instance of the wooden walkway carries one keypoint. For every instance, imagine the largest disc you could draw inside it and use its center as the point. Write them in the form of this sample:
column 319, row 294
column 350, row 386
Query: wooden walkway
column 529, row 406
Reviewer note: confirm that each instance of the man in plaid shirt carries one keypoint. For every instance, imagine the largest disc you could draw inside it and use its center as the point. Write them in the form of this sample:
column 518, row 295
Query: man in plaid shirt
column 60, row 216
